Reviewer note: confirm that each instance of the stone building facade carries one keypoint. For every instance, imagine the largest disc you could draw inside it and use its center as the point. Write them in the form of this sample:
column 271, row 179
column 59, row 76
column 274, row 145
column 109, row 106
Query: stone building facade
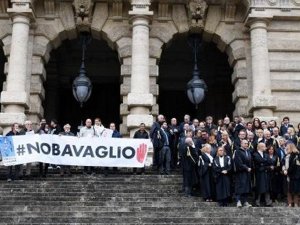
column 260, row 37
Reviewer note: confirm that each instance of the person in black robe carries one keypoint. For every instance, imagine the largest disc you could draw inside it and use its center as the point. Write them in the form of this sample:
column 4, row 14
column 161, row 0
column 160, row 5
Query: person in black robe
column 276, row 178
column 155, row 136
column 262, row 165
column 243, row 167
column 294, row 174
column 222, row 168
column 206, row 174
column 189, row 160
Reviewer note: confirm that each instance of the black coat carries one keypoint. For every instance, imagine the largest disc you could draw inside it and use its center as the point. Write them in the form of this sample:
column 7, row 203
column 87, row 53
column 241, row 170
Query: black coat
column 155, row 135
column 276, row 176
column 283, row 129
column 188, row 164
column 222, row 180
column 294, row 173
column 262, row 172
column 206, row 177
column 242, row 178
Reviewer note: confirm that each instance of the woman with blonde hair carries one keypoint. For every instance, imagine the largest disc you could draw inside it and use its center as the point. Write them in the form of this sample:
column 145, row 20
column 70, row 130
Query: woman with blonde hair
column 291, row 169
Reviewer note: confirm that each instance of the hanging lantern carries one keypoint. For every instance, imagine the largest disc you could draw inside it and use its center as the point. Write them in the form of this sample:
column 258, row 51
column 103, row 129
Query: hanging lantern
column 82, row 85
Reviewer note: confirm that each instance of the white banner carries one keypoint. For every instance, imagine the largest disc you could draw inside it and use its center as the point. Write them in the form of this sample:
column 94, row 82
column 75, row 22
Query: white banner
column 67, row 150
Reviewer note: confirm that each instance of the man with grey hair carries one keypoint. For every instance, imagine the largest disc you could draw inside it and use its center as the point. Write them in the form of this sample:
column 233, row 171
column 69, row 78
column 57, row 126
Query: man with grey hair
column 243, row 166
column 262, row 165
column 189, row 160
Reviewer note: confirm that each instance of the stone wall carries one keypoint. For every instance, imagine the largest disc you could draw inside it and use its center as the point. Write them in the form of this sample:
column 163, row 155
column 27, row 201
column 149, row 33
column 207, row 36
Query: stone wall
column 226, row 23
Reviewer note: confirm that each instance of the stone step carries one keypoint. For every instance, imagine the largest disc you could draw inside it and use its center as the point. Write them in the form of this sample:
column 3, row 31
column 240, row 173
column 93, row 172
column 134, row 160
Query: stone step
column 166, row 220
column 84, row 189
column 141, row 214
column 205, row 208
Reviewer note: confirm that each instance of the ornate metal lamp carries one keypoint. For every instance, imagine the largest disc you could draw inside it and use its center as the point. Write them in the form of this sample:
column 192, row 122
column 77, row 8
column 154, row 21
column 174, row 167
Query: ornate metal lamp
column 82, row 85
column 196, row 87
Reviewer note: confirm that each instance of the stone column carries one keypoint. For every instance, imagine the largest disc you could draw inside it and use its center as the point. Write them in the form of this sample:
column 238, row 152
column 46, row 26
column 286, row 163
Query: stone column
column 262, row 100
column 16, row 97
column 140, row 100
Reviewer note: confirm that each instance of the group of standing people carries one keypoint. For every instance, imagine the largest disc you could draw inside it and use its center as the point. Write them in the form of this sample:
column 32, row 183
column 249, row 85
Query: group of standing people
column 231, row 160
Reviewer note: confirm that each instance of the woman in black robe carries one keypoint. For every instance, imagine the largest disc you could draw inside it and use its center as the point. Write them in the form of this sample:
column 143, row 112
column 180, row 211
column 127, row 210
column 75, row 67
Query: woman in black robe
column 275, row 174
column 206, row 174
column 222, row 168
column 294, row 174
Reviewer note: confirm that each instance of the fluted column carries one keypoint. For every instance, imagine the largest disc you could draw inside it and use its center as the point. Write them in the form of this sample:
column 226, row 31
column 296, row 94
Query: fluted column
column 15, row 97
column 262, row 99
column 139, row 99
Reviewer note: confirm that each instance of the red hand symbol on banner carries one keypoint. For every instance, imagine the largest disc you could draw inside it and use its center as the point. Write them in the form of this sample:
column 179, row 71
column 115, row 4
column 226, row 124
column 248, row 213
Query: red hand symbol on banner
column 141, row 152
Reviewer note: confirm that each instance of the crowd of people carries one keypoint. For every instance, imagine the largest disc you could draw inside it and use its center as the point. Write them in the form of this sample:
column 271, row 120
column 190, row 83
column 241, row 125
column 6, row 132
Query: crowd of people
column 224, row 161
column 231, row 160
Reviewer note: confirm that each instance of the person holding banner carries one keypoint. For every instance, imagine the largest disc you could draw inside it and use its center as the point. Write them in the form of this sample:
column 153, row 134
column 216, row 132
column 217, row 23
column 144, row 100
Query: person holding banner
column 17, row 175
column 66, row 132
column 141, row 134
column 99, row 128
column 88, row 131
column 115, row 134
column 27, row 131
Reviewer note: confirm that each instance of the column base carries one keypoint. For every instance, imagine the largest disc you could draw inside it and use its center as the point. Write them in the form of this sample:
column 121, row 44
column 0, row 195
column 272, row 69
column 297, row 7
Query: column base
column 263, row 102
column 139, row 99
column 14, row 98
column 134, row 120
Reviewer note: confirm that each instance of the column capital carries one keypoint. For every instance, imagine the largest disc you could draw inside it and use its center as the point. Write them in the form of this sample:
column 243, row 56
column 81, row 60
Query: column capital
column 140, row 8
column 22, row 8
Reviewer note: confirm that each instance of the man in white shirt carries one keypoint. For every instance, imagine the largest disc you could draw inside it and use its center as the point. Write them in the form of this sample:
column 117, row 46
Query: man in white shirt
column 99, row 128
column 88, row 131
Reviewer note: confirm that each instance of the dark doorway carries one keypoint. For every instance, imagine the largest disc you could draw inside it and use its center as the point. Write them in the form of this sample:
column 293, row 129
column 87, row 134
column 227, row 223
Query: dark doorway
column 103, row 68
column 175, row 70
column 2, row 63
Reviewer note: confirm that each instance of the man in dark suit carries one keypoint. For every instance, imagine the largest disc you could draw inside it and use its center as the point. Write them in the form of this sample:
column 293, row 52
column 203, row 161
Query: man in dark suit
column 285, row 125
column 155, row 135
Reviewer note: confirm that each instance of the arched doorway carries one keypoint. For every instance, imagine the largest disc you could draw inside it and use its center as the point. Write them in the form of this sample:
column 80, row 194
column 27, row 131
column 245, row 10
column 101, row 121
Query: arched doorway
column 175, row 70
column 103, row 68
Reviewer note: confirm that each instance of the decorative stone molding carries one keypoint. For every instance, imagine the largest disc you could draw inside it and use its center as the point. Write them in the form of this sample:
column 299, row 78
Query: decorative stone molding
column 230, row 10
column 117, row 9
column 3, row 6
column 83, row 14
column 197, row 14
column 163, row 10
column 49, row 7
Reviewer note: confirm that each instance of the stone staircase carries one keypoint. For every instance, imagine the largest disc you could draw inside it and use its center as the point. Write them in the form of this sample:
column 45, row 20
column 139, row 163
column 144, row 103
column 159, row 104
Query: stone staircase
column 121, row 199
